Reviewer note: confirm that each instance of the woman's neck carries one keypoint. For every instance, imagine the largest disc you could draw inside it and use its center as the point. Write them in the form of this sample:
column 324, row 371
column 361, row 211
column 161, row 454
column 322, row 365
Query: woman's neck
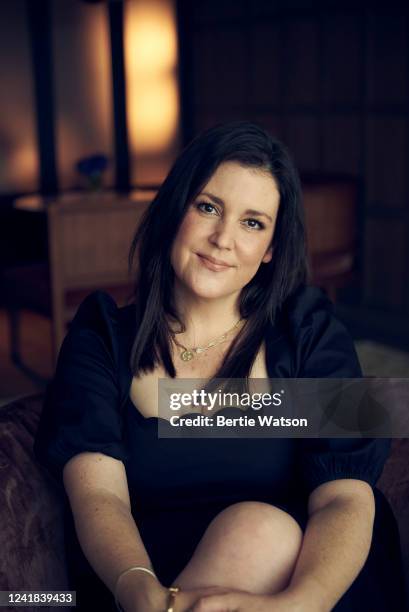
column 204, row 319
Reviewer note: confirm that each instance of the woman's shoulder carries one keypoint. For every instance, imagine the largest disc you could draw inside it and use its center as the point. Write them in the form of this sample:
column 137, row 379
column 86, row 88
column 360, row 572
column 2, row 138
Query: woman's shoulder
column 304, row 303
column 95, row 310
column 99, row 313
column 321, row 344
column 101, row 326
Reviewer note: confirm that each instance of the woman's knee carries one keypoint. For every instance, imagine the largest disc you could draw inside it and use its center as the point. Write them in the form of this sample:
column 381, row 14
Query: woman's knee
column 249, row 545
column 262, row 523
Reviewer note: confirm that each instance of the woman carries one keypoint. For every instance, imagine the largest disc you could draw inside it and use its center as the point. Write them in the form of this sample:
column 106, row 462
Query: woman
column 235, row 524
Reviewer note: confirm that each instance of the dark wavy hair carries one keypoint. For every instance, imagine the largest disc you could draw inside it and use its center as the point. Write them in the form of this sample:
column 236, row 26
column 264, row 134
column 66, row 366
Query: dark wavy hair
column 262, row 298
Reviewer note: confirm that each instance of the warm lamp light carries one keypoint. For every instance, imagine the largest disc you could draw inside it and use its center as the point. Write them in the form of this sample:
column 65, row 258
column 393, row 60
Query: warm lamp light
column 155, row 113
column 151, row 62
column 22, row 165
column 150, row 38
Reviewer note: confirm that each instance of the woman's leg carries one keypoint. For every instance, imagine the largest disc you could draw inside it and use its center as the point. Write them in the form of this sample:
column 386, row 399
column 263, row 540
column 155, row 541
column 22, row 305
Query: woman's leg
column 250, row 546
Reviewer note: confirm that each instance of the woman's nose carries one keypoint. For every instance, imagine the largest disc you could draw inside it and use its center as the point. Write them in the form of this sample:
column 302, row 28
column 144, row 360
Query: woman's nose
column 223, row 235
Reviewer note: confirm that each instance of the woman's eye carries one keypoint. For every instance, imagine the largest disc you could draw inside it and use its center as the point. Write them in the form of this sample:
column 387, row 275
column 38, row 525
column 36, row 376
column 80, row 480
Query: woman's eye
column 258, row 224
column 208, row 208
column 205, row 206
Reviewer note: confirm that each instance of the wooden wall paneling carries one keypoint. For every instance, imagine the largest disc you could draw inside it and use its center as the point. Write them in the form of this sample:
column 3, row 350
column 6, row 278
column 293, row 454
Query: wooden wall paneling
column 406, row 256
column 262, row 9
column 385, row 263
column 265, row 78
column 387, row 57
column 203, row 69
column 342, row 60
column 387, row 161
column 268, row 9
column 302, row 135
column 208, row 118
column 342, row 143
column 406, row 212
column 274, row 124
column 301, row 57
column 332, row 84
column 221, row 68
column 216, row 11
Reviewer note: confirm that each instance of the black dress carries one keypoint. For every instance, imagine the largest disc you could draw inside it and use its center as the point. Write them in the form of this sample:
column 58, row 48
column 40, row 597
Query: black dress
column 177, row 486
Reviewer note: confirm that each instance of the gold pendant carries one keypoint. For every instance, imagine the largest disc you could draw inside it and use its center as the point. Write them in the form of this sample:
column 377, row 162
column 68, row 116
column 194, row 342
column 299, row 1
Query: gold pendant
column 186, row 355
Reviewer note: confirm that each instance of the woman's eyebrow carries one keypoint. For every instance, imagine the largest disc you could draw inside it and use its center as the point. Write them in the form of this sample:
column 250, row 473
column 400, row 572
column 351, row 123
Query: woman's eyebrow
column 249, row 211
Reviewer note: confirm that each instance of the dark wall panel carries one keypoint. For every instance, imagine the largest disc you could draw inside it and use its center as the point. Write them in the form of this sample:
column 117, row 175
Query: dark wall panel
column 333, row 84
column 301, row 58
column 342, row 60
column 221, row 69
column 214, row 11
column 266, row 73
column 387, row 161
column 385, row 261
column 275, row 124
column 387, row 58
column 342, row 144
column 302, row 135
column 210, row 118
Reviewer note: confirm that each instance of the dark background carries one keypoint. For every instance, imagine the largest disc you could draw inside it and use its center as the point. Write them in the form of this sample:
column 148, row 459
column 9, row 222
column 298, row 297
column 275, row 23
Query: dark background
column 331, row 80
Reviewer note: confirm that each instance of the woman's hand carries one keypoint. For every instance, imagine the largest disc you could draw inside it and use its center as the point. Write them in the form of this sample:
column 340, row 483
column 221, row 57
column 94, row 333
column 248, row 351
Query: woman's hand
column 187, row 599
column 241, row 601
column 142, row 593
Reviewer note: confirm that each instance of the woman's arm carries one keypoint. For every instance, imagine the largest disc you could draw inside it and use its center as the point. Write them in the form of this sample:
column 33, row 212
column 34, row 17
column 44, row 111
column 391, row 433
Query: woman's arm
column 336, row 543
column 98, row 492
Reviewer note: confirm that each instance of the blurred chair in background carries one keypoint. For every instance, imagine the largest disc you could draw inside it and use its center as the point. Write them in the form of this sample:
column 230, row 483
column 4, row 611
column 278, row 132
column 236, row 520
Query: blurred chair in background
column 332, row 221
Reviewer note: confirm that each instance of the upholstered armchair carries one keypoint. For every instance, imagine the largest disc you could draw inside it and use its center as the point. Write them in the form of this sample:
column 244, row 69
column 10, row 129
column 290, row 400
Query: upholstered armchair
column 31, row 506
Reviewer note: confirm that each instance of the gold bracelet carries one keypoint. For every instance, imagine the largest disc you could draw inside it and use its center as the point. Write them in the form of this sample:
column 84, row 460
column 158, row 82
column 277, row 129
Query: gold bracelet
column 172, row 598
column 130, row 569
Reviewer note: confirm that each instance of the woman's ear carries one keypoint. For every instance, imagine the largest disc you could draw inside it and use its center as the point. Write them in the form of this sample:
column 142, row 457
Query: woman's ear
column 268, row 255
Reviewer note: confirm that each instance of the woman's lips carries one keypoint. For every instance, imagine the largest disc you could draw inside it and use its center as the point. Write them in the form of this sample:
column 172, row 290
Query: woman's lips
column 212, row 266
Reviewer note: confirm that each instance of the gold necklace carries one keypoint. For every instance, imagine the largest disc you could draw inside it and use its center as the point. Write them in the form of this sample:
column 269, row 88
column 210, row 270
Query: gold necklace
column 188, row 354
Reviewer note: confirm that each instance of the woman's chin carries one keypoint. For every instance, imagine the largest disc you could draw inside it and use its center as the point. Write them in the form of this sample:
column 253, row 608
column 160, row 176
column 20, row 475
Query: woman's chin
column 207, row 292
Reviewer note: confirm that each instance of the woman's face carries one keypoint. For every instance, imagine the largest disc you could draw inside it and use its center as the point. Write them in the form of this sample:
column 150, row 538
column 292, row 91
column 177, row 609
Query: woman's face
column 226, row 233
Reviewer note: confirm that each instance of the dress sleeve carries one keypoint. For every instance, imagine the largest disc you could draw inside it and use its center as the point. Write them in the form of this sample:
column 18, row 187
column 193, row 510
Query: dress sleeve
column 81, row 407
column 324, row 349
